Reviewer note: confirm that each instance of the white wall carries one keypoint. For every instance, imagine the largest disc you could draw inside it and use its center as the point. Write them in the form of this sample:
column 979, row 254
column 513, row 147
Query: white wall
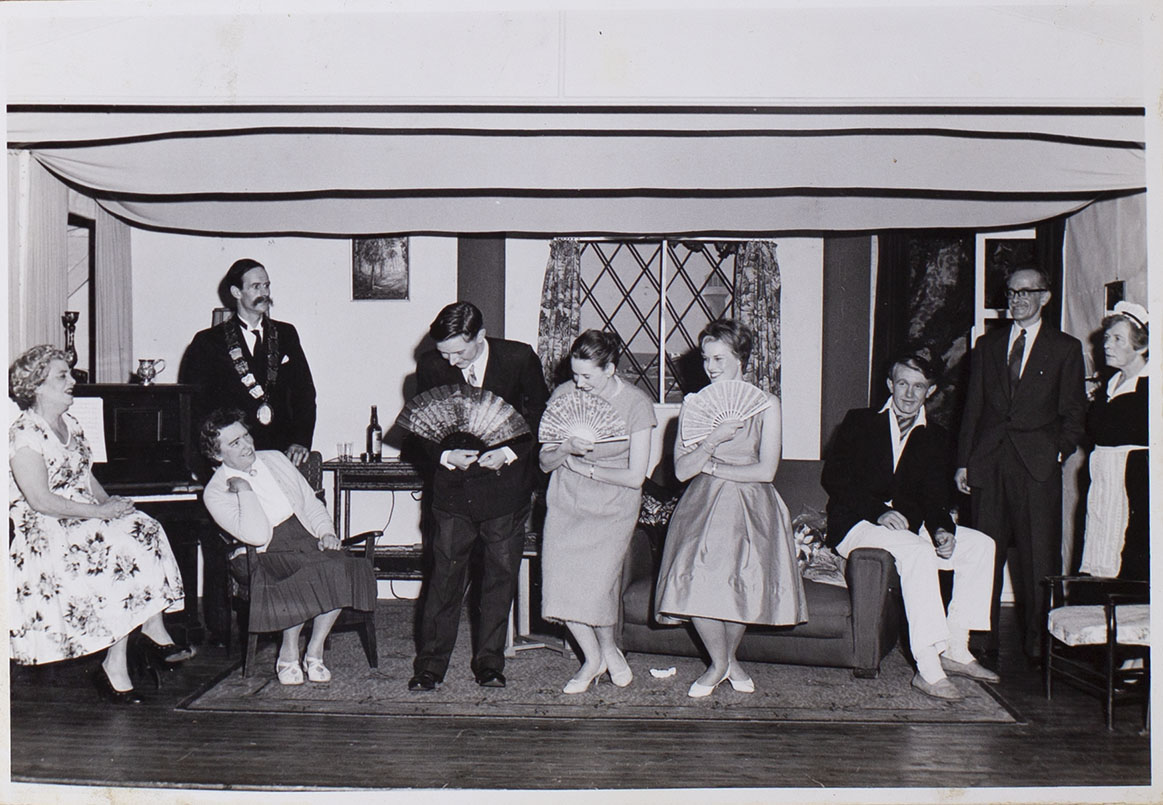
column 359, row 352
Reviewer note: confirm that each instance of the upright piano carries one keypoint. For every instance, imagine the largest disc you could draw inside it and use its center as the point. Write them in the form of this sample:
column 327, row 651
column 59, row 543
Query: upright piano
column 153, row 458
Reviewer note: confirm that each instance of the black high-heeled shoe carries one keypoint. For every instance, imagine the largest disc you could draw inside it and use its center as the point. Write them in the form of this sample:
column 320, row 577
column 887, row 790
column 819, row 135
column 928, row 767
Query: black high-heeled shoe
column 111, row 694
column 144, row 661
column 169, row 655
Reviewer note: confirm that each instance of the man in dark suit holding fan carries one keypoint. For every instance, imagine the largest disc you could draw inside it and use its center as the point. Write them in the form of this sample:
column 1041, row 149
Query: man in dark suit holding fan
column 480, row 498
column 1025, row 412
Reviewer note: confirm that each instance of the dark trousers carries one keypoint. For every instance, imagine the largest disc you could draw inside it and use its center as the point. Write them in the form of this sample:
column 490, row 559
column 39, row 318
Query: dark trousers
column 1025, row 514
column 501, row 541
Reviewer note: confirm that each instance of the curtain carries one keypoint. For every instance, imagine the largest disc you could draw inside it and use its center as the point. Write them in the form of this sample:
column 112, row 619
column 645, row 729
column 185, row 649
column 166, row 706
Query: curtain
column 757, row 292
column 560, row 320
column 113, row 302
column 1105, row 242
column 38, row 255
column 924, row 302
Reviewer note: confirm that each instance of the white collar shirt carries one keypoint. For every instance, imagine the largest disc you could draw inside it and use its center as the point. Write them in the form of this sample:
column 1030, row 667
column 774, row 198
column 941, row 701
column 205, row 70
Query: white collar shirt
column 1116, row 389
column 899, row 442
column 1031, row 334
column 478, row 366
column 249, row 333
column 274, row 501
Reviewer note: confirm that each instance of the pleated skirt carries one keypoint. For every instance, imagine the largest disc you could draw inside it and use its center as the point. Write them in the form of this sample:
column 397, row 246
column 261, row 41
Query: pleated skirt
column 295, row 581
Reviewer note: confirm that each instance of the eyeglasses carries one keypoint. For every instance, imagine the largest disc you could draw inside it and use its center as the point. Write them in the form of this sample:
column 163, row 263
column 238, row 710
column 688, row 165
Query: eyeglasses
column 1023, row 293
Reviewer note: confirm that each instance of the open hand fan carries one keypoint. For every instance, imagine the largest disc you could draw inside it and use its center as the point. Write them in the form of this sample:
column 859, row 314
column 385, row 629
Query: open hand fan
column 461, row 416
column 730, row 399
column 587, row 416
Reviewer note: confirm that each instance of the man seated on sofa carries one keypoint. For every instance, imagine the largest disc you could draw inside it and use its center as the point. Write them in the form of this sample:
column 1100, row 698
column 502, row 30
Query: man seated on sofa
column 887, row 478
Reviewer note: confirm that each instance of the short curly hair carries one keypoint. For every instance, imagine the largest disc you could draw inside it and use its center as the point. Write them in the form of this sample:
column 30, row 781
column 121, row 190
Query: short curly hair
column 212, row 427
column 30, row 370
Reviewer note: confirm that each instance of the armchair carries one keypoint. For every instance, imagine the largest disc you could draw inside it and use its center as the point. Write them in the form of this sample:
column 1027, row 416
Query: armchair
column 312, row 470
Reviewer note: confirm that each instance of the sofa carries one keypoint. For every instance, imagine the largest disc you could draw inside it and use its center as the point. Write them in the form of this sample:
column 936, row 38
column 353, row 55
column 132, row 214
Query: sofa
column 848, row 627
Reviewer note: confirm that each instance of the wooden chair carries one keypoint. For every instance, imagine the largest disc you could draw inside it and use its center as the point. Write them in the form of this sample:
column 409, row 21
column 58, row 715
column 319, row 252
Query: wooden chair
column 1093, row 624
column 312, row 470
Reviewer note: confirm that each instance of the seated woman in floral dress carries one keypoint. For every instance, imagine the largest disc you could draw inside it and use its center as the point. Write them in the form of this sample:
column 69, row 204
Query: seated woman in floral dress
column 87, row 568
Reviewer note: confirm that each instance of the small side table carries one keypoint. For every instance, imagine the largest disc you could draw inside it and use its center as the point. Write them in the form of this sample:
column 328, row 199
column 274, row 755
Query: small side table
column 389, row 475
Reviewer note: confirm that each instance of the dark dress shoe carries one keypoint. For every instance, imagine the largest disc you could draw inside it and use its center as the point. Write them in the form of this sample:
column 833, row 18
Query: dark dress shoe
column 491, row 678
column 111, row 694
column 425, row 680
column 169, row 655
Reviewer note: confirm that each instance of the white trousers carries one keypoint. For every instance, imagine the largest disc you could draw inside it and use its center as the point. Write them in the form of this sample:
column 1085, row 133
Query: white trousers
column 917, row 564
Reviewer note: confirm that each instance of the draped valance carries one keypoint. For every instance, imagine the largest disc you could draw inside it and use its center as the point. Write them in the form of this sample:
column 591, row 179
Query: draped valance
column 560, row 172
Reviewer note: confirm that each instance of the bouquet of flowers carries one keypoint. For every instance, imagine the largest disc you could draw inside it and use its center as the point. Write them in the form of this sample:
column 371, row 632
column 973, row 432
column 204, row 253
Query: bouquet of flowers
column 817, row 562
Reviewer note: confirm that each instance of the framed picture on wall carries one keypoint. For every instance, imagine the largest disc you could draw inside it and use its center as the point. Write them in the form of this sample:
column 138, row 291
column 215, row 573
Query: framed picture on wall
column 379, row 268
column 995, row 255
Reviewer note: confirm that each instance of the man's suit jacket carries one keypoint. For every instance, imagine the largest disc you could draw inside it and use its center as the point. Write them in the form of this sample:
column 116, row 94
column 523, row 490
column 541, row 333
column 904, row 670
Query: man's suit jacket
column 513, row 373
column 1044, row 419
column 208, row 366
column 859, row 477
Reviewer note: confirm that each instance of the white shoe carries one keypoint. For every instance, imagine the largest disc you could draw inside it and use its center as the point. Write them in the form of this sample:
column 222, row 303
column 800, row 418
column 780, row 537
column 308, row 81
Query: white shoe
column 316, row 670
column 290, row 673
column 623, row 676
column 700, row 691
column 580, row 684
column 740, row 681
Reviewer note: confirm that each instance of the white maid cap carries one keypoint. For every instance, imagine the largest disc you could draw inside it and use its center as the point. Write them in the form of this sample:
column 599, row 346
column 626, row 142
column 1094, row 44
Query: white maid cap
column 1134, row 312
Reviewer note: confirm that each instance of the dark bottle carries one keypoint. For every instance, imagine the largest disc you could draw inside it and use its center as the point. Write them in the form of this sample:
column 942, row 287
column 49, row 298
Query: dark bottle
column 375, row 436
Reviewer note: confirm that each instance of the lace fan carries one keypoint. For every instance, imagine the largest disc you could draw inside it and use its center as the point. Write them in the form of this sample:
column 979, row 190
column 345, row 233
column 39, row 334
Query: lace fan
column 730, row 399
column 586, row 416
column 462, row 417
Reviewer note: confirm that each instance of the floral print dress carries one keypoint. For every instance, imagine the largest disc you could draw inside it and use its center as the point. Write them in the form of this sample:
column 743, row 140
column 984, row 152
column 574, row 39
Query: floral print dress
column 79, row 584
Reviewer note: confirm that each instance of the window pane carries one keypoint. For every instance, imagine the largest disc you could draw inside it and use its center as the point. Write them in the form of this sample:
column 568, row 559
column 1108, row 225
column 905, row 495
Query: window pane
column 623, row 293
column 700, row 288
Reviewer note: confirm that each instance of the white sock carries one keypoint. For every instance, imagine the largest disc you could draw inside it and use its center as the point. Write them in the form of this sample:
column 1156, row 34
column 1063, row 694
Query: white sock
column 957, row 649
column 928, row 664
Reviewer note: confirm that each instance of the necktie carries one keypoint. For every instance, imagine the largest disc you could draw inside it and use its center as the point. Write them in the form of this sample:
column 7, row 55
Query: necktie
column 1015, row 361
column 472, row 376
column 905, row 423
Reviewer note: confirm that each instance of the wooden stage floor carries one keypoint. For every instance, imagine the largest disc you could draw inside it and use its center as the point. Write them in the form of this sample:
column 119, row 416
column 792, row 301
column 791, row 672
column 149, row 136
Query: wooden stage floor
column 61, row 733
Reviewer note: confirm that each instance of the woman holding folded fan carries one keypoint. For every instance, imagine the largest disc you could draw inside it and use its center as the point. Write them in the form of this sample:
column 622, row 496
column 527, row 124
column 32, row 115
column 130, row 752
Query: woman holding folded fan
column 595, row 493
column 262, row 500
column 729, row 558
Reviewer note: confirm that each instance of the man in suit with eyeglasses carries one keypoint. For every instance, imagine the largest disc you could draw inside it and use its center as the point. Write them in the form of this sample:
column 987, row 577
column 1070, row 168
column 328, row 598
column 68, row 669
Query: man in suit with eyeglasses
column 1025, row 413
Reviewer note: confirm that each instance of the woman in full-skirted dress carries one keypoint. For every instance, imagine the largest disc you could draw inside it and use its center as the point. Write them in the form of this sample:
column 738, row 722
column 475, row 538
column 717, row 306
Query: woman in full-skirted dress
column 595, row 493
column 729, row 558
column 86, row 568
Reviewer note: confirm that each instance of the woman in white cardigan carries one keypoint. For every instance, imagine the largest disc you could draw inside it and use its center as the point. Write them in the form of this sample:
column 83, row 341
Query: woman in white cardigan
column 261, row 499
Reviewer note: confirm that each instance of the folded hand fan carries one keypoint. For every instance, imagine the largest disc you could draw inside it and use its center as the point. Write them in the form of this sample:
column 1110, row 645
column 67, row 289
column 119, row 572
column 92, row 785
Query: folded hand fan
column 730, row 399
column 462, row 417
column 578, row 413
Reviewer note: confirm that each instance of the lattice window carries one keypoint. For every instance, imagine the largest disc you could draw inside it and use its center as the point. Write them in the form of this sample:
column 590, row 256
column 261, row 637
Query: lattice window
column 642, row 290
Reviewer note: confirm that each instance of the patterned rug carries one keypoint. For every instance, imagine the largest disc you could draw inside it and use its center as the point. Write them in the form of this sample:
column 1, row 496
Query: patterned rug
column 535, row 677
